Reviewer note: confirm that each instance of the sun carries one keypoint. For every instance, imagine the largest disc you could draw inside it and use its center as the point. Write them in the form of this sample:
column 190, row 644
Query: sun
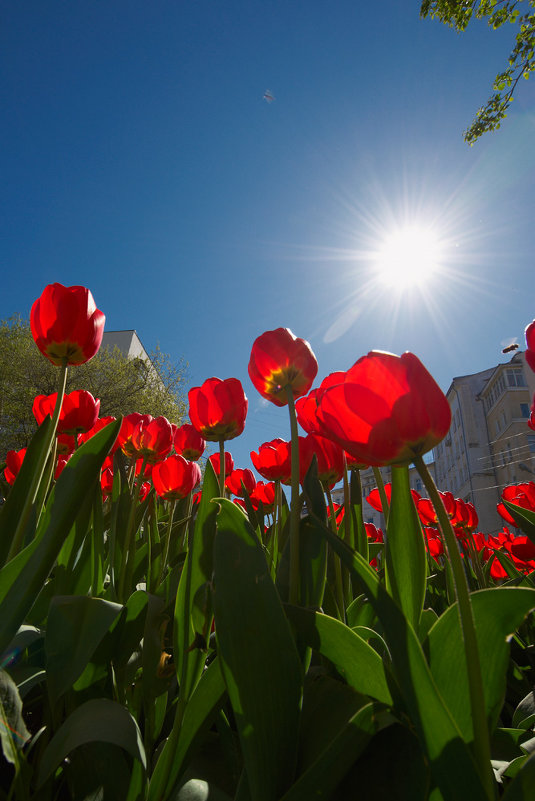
column 408, row 257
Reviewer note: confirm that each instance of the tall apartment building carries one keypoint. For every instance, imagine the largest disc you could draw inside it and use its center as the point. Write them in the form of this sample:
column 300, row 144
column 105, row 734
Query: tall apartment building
column 489, row 444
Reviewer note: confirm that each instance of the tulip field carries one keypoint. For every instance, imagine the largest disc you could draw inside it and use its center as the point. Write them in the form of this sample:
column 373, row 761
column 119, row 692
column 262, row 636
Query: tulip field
column 169, row 634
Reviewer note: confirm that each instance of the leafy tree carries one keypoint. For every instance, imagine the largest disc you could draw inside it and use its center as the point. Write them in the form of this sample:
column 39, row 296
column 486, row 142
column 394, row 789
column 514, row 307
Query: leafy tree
column 123, row 385
column 521, row 63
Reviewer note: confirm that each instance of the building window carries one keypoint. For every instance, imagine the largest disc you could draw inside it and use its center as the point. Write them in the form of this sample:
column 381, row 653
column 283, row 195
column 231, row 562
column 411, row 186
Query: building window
column 515, row 378
column 524, row 410
column 531, row 443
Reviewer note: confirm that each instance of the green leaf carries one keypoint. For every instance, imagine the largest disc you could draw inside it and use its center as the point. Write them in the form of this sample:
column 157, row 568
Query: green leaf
column 356, row 661
column 525, row 518
column 437, row 732
column 76, row 626
column 60, row 512
column 405, row 557
column 497, row 614
column 323, row 776
column 524, row 711
column 12, row 509
column 391, row 767
column 193, row 610
column 259, row 659
column 13, row 731
column 313, row 548
column 521, row 788
column 199, row 714
column 98, row 720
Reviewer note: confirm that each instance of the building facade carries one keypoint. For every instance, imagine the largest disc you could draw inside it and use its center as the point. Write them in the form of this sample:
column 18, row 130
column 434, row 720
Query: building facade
column 489, row 444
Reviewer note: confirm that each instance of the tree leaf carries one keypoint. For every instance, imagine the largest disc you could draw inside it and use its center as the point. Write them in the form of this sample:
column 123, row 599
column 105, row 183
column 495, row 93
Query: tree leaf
column 259, row 659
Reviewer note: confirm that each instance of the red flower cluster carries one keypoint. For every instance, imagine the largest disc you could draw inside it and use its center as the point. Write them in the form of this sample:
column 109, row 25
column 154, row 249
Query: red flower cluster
column 66, row 324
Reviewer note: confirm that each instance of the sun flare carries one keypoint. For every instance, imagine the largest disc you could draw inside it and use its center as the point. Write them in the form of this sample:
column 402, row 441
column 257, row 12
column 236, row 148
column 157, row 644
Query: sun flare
column 408, row 257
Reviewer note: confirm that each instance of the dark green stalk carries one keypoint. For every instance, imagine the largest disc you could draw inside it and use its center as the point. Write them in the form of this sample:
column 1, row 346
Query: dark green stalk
column 127, row 559
column 222, row 468
column 382, row 493
column 339, row 584
column 294, row 504
column 481, row 746
column 167, row 541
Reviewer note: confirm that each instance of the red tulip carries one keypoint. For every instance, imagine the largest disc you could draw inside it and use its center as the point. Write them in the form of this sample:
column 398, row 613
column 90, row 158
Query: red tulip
column 218, row 409
column 152, row 439
column 388, row 410
column 14, row 460
column 188, row 442
column 65, row 444
column 374, row 498
column 234, row 480
column 175, row 477
column 530, row 345
column 106, row 481
column 531, row 421
column 521, row 495
column 144, row 491
column 62, row 461
column 66, row 324
column 280, row 359
column 79, row 411
column 263, row 493
column 273, row 460
column 329, row 455
column 128, row 426
column 216, row 463
column 99, row 425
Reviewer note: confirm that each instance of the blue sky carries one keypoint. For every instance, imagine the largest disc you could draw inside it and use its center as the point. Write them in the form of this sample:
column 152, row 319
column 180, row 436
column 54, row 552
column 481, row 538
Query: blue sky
column 140, row 159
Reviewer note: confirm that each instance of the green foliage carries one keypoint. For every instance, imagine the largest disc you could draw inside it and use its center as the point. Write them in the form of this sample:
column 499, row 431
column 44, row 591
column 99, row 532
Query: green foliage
column 521, row 62
column 123, row 385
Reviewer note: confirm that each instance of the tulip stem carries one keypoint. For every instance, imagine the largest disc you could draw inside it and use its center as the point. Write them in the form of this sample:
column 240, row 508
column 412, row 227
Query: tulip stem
column 481, row 744
column 39, row 468
column 339, row 582
column 382, row 493
column 127, row 558
column 294, row 504
column 167, row 541
column 222, row 468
